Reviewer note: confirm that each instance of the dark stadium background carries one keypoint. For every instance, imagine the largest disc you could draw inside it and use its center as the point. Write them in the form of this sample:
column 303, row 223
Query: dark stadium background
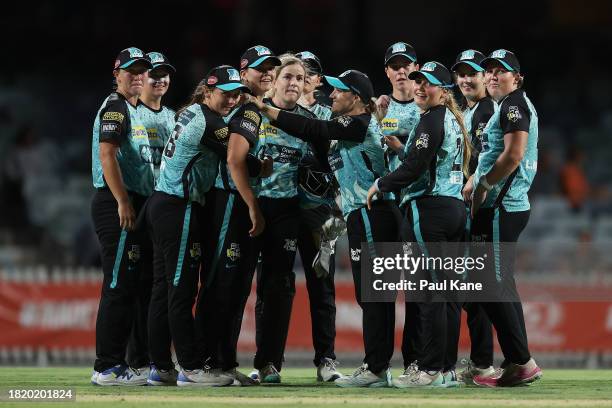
column 56, row 67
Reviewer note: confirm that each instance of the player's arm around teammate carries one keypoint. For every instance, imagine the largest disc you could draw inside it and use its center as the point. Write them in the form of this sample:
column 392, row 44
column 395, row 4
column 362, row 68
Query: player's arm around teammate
column 357, row 159
column 431, row 177
column 500, row 205
column 123, row 176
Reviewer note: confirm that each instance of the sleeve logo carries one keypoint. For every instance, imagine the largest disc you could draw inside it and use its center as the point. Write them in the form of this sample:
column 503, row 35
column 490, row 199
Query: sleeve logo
column 245, row 124
column 116, row 116
column 221, row 134
column 514, row 114
column 423, row 141
column 251, row 115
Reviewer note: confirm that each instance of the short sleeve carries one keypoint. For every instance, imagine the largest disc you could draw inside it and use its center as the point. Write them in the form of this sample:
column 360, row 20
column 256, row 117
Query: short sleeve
column 246, row 123
column 114, row 122
column 514, row 114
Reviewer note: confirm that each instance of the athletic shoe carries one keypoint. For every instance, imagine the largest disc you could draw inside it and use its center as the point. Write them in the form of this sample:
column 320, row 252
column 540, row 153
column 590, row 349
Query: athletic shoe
column 467, row 375
column 270, row 375
column 514, row 375
column 240, row 380
column 363, row 377
column 94, row 377
column 122, row 375
column 160, row 377
column 255, row 376
column 326, row 371
column 413, row 377
column 450, row 379
column 204, row 377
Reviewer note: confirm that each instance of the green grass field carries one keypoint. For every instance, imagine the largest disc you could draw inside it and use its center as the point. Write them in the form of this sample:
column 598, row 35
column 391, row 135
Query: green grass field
column 558, row 388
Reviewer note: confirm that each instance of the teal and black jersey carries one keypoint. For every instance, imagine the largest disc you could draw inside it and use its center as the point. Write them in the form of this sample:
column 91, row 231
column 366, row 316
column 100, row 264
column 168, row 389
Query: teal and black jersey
column 159, row 124
column 401, row 119
column 286, row 152
column 515, row 113
column 118, row 122
column 189, row 166
column 434, row 159
column 320, row 110
column 475, row 120
column 356, row 155
column 244, row 120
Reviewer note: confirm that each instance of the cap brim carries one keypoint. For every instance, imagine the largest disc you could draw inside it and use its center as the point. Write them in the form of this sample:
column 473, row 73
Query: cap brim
column 336, row 83
column 232, row 86
column 132, row 62
column 475, row 66
column 432, row 79
column 408, row 57
column 170, row 67
column 485, row 61
column 259, row 60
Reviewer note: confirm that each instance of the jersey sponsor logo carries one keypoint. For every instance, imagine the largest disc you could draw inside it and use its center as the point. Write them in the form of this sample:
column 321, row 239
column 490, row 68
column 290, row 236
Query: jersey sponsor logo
column 110, row 127
column 514, row 114
column 212, row 80
column 398, row 47
column 335, row 161
column 249, row 126
column 290, row 245
column 344, row 120
column 233, row 74
column 356, row 254
column 152, row 133
column 429, row 67
column 390, row 124
column 267, row 130
column 423, row 141
column 221, row 134
column 116, row 116
column 251, row 115
column 499, row 54
column 261, row 50
column 233, row 252
column 135, row 52
column 285, row 154
column 467, row 55
column 139, row 132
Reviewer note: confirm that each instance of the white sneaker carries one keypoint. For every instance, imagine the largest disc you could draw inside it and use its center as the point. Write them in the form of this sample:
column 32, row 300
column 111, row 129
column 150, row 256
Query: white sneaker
column 240, row 379
column 159, row 377
column 255, row 376
column 363, row 377
column 326, row 371
column 204, row 377
column 122, row 375
column 94, row 377
column 467, row 375
column 413, row 377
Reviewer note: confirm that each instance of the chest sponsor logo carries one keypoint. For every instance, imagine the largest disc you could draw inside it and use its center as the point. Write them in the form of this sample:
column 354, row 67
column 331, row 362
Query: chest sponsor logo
column 268, row 130
column 285, row 154
column 514, row 114
column 116, row 116
column 152, row 133
column 335, row 161
column 390, row 124
column 139, row 132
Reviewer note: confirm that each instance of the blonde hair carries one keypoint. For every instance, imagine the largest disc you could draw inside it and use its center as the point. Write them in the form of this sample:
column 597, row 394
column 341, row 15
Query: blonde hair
column 198, row 95
column 451, row 105
column 287, row 59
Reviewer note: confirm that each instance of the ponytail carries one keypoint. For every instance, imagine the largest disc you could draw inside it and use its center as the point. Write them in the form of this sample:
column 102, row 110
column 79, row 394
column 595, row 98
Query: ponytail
column 196, row 97
column 451, row 104
column 372, row 109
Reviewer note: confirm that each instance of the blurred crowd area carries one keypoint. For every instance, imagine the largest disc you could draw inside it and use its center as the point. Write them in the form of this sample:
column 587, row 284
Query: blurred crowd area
column 48, row 100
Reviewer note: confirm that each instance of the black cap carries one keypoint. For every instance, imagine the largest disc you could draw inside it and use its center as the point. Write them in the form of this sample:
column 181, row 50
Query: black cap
column 435, row 73
column 130, row 56
column 226, row 78
column 313, row 63
column 504, row 57
column 473, row 58
column 159, row 60
column 400, row 49
column 254, row 56
column 355, row 81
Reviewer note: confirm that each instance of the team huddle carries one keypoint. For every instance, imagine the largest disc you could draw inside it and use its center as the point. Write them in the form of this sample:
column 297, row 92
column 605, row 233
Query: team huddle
column 189, row 205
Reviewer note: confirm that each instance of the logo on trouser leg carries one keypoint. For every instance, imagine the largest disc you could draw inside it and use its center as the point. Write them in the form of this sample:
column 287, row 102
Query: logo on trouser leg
column 290, row 245
column 233, row 252
column 133, row 256
column 195, row 251
column 356, row 254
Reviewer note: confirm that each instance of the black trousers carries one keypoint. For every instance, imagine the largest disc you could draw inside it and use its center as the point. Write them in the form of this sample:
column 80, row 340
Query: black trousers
column 226, row 277
column 321, row 291
column 431, row 220
column 177, row 241
column 380, row 224
column 497, row 225
column 126, row 262
column 275, row 278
